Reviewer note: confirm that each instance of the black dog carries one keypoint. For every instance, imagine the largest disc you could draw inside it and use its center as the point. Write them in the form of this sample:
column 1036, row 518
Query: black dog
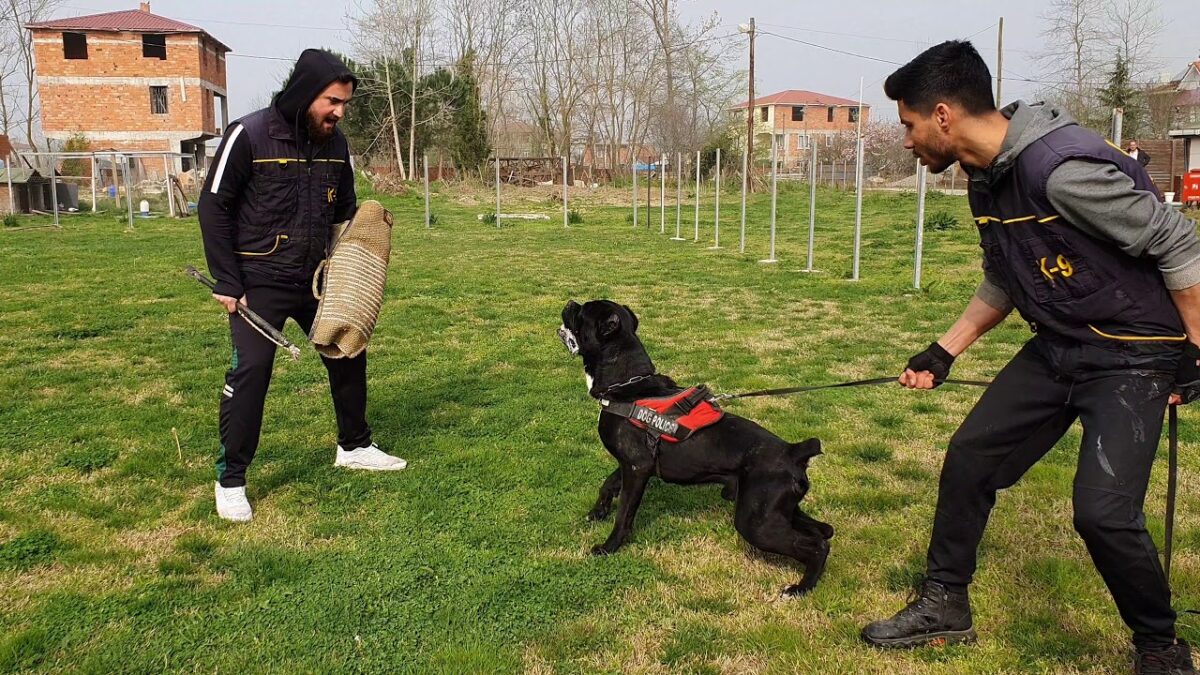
column 765, row 475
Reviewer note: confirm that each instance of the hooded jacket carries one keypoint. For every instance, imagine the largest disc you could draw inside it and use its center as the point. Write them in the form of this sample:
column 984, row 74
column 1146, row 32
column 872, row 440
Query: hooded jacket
column 1074, row 236
column 271, row 194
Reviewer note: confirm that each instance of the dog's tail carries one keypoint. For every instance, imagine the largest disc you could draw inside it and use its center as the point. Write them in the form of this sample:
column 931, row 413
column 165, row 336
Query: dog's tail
column 804, row 450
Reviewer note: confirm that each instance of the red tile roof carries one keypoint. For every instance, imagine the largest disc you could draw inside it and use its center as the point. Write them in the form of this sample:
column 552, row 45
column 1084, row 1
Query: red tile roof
column 798, row 97
column 129, row 20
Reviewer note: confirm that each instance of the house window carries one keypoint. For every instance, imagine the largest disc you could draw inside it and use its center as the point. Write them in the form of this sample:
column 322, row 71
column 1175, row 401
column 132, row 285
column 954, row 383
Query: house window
column 853, row 114
column 158, row 100
column 74, row 46
column 154, row 46
column 829, row 139
column 829, row 115
column 765, row 113
column 797, row 113
column 801, row 142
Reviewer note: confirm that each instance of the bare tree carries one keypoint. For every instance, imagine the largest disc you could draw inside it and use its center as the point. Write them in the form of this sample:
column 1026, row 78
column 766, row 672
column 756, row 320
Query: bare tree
column 488, row 29
column 19, row 102
column 390, row 30
column 1132, row 28
column 1072, row 55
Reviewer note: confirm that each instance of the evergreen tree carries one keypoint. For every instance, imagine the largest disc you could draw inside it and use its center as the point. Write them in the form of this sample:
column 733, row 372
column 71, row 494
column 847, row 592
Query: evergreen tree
column 1119, row 92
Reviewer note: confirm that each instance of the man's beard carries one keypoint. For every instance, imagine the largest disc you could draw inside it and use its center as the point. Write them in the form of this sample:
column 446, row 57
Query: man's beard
column 316, row 128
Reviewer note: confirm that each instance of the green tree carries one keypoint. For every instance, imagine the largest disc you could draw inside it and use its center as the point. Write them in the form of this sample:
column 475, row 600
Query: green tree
column 1119, row 92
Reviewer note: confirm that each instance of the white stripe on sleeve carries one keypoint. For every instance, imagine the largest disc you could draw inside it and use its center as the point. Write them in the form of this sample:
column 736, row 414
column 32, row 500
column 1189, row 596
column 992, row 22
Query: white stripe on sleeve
column 216, row 184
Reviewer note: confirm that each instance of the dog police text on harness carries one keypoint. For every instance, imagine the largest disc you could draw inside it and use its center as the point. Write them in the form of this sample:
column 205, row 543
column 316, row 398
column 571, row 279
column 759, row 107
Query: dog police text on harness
column 658, row 422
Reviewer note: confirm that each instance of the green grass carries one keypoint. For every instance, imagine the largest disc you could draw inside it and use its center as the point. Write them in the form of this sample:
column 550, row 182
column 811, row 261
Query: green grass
column 474, row 559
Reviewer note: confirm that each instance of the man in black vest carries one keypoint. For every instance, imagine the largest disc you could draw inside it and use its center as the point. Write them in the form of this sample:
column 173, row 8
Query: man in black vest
column 1075, row 239
column 280, row 179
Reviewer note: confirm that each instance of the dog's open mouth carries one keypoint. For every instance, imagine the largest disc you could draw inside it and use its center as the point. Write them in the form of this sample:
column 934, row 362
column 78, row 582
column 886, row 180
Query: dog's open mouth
column 568, row 340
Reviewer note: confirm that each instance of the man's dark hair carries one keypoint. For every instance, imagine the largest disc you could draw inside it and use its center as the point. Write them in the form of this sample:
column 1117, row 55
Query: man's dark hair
column 952, row 72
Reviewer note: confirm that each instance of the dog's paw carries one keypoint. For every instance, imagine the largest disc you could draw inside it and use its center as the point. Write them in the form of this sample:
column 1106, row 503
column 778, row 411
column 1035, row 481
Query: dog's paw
column 600, row 549
column 826, row 530
column 597, row 514
column 794, row 591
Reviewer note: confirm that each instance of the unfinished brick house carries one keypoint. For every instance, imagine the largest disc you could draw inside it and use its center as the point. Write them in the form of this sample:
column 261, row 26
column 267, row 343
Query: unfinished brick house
column 799, row 118
column 131, row 80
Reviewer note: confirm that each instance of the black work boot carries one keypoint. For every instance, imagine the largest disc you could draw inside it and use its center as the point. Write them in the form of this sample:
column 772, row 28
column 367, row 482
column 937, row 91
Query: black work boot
column 1175, row 659
column 937, row 617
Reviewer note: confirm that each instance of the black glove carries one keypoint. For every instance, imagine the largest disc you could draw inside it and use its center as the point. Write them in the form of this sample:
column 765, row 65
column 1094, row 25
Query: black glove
column 1187, row 375
column 937, row 360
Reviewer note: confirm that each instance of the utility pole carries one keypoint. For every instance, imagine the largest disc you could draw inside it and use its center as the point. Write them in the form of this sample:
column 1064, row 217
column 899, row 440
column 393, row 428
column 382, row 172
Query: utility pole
column 749, row 28
column 999, row 63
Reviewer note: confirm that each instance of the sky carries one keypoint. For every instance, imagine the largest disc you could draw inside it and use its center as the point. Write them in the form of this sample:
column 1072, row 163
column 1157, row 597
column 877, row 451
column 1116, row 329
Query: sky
column 266, row 35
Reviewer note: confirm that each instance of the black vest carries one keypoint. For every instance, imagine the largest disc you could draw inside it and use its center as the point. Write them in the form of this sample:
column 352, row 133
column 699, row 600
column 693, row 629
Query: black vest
column 1059, row 278
column 284, row 214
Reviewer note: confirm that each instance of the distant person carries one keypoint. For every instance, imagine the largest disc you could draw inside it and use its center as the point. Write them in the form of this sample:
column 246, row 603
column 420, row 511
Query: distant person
column 1108, row 279
column 1140, row 155
column 281, row 179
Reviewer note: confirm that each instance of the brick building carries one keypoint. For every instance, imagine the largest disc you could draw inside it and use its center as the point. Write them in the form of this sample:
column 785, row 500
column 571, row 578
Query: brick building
column 131, row 80
column 799, row 118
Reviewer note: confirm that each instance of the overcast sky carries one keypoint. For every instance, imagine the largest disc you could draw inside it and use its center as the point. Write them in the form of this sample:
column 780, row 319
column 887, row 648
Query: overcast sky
column 887, row 30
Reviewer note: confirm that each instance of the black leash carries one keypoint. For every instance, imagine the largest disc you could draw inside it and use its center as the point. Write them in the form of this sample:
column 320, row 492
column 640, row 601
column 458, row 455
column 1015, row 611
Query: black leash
column 855, row 383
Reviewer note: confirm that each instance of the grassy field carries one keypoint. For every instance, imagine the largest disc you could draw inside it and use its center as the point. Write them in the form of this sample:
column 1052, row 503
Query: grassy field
column 474, row 559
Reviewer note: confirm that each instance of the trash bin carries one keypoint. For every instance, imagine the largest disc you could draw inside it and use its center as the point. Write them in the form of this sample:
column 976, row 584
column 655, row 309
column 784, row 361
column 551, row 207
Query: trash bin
column 1191, row 187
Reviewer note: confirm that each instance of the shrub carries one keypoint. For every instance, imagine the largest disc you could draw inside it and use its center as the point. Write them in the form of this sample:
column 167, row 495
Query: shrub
column 942, row 220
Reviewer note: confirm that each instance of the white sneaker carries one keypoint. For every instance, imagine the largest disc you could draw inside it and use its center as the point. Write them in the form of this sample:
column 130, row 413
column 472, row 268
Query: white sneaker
column 232, row 504
column 370, row 458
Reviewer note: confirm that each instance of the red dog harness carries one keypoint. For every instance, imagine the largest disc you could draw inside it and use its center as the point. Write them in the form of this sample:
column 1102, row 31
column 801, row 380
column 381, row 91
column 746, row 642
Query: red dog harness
column 671, row 418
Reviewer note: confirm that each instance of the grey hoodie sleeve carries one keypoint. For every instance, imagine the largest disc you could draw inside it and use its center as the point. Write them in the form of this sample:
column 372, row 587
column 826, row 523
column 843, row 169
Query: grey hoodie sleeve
column 1101, row 201
column 993, row 294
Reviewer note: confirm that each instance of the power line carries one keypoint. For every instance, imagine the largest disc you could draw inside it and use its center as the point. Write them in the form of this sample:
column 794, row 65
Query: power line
column 831, row 49
column 447, row 62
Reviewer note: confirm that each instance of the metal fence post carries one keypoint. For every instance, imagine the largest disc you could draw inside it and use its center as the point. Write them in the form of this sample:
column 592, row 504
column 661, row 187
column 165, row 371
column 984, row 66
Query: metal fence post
column 635, row 194
column 717, row 204
column 92, row 168
column 678, row 194
column 697, row 219
column 922, row 177
column 425, row 167
column 812, row 203
column 745, row 181
column 774, row 194
column 662, row 194
column 54, row 187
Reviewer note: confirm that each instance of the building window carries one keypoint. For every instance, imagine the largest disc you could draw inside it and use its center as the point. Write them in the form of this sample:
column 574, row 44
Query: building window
column 853, row 114
column 154, row 46
column 797, row 113
column 765, row 113
column 829, row 139
column 158, row 100
column 74, row 46
column 801, row 142
column 829, row 117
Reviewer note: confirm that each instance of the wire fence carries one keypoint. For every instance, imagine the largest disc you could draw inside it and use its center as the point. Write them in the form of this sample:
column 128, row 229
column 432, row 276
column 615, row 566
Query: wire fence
column 134, row 185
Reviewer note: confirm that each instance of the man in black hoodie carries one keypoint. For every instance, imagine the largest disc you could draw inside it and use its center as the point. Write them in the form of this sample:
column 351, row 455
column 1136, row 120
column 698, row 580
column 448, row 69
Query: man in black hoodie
column 1075, row 239
column 280, row 179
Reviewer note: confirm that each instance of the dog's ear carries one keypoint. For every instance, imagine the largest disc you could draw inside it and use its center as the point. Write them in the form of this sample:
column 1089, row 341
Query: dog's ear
column 570, row 313
column 806, row 450
column 632, row 316
column 610, row 325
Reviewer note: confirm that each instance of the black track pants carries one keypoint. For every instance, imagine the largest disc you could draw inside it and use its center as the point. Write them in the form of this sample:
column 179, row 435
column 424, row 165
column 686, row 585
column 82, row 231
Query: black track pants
column 1119, row 395
column 249, row 376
